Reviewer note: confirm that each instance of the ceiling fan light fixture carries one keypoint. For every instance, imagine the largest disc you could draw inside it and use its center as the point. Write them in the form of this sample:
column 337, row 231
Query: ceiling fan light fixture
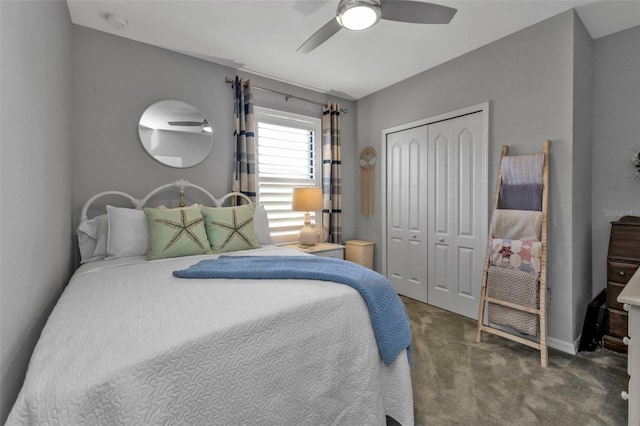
column 357, row 15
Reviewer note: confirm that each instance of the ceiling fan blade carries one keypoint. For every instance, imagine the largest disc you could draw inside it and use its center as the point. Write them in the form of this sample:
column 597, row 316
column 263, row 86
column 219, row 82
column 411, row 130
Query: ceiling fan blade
column 307, row 7
column 416, row 12
column 320, row 36
column 185, row 123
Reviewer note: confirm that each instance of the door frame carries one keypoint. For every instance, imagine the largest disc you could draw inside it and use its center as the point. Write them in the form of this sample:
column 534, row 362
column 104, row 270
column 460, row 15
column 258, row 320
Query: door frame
column 484, row 109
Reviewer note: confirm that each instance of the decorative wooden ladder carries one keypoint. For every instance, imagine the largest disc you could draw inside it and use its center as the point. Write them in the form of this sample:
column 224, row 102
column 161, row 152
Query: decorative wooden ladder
column 541, row 309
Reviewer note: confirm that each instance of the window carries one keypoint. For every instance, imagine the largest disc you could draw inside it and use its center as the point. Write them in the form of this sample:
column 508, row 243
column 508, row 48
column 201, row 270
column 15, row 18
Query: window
column 287, row 157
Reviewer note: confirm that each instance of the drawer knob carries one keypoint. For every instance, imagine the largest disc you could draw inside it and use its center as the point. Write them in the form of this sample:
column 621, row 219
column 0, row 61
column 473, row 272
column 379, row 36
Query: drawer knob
column 441, row 240
column 626, row 340
column 626, row 307
column 622, row 273
column 625, row 395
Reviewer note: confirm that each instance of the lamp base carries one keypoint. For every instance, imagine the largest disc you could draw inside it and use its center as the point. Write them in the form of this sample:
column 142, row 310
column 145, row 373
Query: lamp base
column 307, row 235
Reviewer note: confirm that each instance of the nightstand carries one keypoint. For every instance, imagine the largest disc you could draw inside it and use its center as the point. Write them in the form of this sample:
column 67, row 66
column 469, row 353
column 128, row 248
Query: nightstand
column 323, row 249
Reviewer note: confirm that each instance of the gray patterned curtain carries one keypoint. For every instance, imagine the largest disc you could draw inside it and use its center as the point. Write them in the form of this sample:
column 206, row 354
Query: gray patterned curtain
column 244, row 157
column 331, row 172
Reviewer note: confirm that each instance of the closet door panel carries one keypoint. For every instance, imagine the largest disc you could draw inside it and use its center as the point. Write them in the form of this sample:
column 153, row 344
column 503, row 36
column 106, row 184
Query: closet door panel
column 465, row 210
column 456, row 183
column 470, row 233
column 465, row 272
column 416, row 191
column 440, row 263
column 441, row 183
column 415, row 259
column 406, row 203
column 396, row 196
column 396, row 270
column 439, row 281
column 394, row 193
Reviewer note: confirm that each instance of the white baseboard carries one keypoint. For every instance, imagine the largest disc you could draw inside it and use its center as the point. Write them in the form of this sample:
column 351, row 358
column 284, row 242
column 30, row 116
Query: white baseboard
column 561, row 345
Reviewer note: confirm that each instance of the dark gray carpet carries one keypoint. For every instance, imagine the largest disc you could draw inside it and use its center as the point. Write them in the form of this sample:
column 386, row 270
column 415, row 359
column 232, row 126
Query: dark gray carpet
column 457, row 381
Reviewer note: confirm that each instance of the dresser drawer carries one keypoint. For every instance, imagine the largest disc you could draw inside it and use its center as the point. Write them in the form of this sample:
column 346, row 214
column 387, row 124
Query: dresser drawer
column 613, row 291
column 617, row 323
column 614, row 344
column 620, row 272
column 623, row 242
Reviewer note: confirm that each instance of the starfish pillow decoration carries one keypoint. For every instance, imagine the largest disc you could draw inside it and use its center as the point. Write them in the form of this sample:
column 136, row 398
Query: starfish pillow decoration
column 176, row 232
column 230, row 228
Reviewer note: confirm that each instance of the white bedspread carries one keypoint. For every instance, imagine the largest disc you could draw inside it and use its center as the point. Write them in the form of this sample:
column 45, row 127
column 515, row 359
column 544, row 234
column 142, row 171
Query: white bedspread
column 130, row 344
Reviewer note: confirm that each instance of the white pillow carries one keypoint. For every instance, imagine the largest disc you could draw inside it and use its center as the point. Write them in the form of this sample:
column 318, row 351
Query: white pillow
column 86, row 244
column 128, row 234
column 102, row 235
column 261, row 225
column 88, row 233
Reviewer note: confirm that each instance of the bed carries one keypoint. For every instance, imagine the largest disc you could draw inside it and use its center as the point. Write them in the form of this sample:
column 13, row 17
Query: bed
column 129, row 343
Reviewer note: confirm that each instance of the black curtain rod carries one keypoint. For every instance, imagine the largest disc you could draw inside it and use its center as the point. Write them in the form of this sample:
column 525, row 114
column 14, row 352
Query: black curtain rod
column 287, row 96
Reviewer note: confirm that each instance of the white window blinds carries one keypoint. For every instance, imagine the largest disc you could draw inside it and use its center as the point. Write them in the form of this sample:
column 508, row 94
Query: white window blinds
column 286, row 158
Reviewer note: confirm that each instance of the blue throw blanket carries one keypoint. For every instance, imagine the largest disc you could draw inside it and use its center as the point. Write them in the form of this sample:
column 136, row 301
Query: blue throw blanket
column 388, row 314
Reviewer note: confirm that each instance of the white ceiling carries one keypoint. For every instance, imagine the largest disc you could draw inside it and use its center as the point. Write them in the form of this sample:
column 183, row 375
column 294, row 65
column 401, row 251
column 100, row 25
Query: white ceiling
column 261, row 36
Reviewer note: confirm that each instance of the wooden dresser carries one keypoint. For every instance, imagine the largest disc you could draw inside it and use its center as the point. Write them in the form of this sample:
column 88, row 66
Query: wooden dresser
column 622, row 262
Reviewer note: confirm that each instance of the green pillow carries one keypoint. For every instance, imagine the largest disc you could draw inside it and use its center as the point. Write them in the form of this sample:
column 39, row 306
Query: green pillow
column 175, row 233
column 230, row 228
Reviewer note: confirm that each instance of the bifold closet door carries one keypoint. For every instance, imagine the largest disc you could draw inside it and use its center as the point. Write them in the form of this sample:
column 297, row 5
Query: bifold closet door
column 457, row 222
column 406, row 207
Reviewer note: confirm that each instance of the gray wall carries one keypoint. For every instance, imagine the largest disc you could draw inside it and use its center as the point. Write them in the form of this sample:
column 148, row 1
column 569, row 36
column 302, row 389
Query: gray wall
column 36, row 250
column 71, row 102
column 115, row 79
column 536, row 80
column 616, row 130
column 528, row 79
column 582, row 148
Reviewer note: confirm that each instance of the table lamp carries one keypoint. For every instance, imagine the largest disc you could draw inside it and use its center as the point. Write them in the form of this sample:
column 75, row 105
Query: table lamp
column 307, row 199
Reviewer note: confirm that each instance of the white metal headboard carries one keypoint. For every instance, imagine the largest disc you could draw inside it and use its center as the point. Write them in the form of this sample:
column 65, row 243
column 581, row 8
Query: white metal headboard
column 181, row 184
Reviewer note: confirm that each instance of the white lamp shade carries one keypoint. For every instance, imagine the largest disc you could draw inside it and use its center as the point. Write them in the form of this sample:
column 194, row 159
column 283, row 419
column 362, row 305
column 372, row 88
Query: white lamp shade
column 307, row 199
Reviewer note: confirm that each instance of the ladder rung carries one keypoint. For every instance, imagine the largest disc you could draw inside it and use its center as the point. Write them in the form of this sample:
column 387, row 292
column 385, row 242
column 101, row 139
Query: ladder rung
column 510, row 336
column 528, row 309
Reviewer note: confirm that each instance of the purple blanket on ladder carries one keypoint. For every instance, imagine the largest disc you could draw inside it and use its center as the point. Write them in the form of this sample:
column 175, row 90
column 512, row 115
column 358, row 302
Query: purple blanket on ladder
column 521, row 197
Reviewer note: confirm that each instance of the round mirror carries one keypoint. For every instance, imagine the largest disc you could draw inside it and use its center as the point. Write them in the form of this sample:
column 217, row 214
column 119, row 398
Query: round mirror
column 175, row 133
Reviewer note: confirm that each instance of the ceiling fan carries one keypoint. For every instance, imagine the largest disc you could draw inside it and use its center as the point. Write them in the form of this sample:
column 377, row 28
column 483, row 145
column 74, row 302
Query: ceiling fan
column 359, row 15
column 203, row 124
